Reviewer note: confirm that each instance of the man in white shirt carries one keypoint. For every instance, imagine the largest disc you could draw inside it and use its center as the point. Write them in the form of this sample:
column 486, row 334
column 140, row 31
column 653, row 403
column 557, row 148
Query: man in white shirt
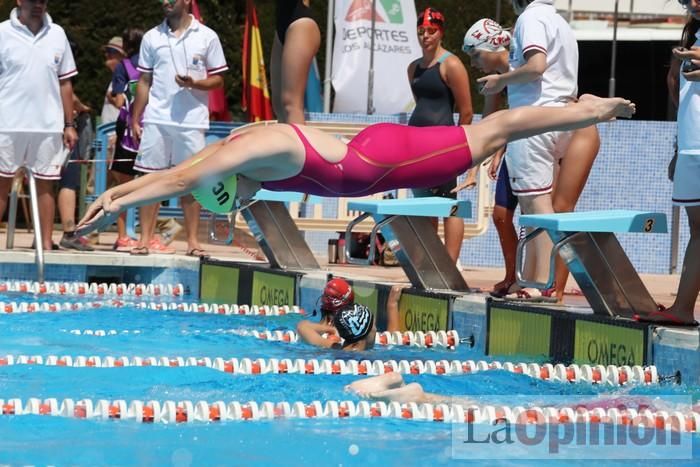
column 543, row 72
column 180, row 61
column 36, row 114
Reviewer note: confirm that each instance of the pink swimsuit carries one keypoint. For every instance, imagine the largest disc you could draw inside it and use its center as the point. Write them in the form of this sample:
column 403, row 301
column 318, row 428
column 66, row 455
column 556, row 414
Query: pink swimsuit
column 383, row 157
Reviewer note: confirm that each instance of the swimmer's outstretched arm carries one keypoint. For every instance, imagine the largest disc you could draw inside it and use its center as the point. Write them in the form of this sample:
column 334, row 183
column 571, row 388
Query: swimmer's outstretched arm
column 311, row 333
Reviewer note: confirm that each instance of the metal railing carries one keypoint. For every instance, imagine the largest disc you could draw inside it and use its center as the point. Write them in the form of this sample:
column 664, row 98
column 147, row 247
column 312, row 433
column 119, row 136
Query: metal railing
column 12, row 221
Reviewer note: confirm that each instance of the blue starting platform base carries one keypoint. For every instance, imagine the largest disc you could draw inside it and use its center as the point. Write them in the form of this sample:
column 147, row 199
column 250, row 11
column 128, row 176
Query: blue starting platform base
column 409, row 232
column 586, row 241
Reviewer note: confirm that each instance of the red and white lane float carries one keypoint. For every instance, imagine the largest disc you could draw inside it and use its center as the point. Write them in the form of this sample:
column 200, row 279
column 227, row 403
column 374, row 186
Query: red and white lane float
column 222, row 309
column 101, row 289
column 426, row 340
column 206, row 308
column 610, row 375
column 201, row 411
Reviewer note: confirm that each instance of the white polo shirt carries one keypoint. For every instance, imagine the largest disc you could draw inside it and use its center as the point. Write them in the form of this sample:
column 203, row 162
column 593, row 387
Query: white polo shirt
column 30, row 70
column 539, row 27
column 197, row 53
column 689, row 115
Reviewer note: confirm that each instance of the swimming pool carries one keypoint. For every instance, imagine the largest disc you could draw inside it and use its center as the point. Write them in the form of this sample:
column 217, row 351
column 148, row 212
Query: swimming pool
column 129, row 331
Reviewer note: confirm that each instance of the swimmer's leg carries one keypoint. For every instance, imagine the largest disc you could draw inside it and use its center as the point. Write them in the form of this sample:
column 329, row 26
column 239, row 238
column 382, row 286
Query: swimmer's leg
column 365, row 386
column 488, row 136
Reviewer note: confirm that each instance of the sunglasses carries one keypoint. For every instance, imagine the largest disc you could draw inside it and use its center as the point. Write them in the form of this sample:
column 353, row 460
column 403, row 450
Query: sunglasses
column 684, row 2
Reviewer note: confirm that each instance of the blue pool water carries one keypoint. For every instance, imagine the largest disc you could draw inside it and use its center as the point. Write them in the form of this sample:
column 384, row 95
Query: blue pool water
column 44, row 440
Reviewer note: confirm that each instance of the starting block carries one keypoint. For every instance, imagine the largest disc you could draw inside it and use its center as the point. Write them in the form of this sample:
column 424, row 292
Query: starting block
column 586, row 241
column 276, row 232
column 406, row 226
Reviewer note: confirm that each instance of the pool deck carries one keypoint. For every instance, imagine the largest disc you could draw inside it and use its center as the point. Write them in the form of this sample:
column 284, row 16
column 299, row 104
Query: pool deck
column 662, row 286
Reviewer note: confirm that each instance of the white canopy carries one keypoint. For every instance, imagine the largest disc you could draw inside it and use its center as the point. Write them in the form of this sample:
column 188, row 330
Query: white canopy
column 640, row 7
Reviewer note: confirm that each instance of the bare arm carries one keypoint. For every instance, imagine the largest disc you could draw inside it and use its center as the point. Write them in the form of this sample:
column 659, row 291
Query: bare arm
column 117, row 100
column 673, row 80
column 206, row 84
column 142, row 90
column 311, row 333
column 392, row 309
column 534, row 68
column 457, row 79
column 70, row 136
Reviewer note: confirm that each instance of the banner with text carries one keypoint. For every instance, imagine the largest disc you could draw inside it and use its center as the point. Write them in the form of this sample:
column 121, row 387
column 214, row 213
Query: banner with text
column 395, row 47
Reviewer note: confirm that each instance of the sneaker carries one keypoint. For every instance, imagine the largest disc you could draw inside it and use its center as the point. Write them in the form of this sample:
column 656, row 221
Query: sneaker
column 125, row 243
column 168, row 230
column 157, row 246
column 74, row 242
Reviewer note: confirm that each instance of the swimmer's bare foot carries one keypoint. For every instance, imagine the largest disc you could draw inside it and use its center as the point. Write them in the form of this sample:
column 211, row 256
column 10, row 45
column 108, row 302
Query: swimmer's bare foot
column 610, row 108
column 365, row 387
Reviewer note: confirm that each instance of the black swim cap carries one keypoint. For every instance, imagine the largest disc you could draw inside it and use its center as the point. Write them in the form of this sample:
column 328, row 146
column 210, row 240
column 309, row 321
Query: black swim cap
column 353, row 324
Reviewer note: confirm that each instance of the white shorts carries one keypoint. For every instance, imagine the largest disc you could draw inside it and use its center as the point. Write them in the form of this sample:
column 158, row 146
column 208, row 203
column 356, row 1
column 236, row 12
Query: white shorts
column 531, row 162
column 42, row 153
column 164, row 146
column 686, row 180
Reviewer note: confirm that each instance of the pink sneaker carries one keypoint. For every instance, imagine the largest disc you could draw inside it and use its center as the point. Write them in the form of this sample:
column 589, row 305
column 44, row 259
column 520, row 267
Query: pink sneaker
column 156, row 246
column 125, row 243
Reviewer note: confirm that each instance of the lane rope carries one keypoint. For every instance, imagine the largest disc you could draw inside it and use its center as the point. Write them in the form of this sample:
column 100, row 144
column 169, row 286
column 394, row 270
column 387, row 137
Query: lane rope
column 426, row 340
column 206, row 308
column 596, row 374
column 93, row 288
column 187, row 411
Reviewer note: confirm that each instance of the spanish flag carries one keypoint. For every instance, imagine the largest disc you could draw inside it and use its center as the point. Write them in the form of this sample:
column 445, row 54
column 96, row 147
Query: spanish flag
column 218, row 107
column 256, row 97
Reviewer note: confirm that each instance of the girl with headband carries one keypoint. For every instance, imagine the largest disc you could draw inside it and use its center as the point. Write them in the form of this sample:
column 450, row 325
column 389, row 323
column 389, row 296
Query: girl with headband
column 381, row 157
column 440, row 83
column 297, row 40
column 551, row 170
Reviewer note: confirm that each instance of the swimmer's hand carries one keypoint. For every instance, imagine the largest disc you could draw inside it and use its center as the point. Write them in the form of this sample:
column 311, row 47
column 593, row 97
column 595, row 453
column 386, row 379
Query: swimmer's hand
column 491, row 84
column 99, row 215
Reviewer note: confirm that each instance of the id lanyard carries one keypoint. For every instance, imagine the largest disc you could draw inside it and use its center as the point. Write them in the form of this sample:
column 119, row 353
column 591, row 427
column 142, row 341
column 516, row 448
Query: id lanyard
column 172, row 55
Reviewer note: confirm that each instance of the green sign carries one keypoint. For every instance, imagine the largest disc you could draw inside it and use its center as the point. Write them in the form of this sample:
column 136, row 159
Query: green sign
column 219, row 284
column 605, row 344
column 419, row 313
column 272, row 289
column 513, row 332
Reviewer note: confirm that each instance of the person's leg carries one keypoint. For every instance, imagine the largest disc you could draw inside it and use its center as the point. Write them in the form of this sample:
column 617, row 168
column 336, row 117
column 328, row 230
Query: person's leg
column 276, row 80
column 47, row 210
column 689, row 286
column 569, row 183
column 301, row 44
column 508, row 237
column 454, row 235
column 191, row 210
column 5, row 186
column 537, row 254
column 366, row 386
column 66, row 209
column 491, row 134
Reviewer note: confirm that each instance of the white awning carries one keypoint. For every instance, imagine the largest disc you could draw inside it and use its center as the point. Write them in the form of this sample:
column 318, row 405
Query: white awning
column 587, row 32
column 639, row 7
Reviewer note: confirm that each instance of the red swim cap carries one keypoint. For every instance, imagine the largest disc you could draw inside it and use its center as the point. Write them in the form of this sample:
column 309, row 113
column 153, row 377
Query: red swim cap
column 431, row 17
column 337, row 295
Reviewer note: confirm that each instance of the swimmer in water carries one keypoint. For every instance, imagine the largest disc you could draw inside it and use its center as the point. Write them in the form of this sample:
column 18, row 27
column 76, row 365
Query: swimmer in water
column 353, row 328
column 381, row 157
column 337, row 295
